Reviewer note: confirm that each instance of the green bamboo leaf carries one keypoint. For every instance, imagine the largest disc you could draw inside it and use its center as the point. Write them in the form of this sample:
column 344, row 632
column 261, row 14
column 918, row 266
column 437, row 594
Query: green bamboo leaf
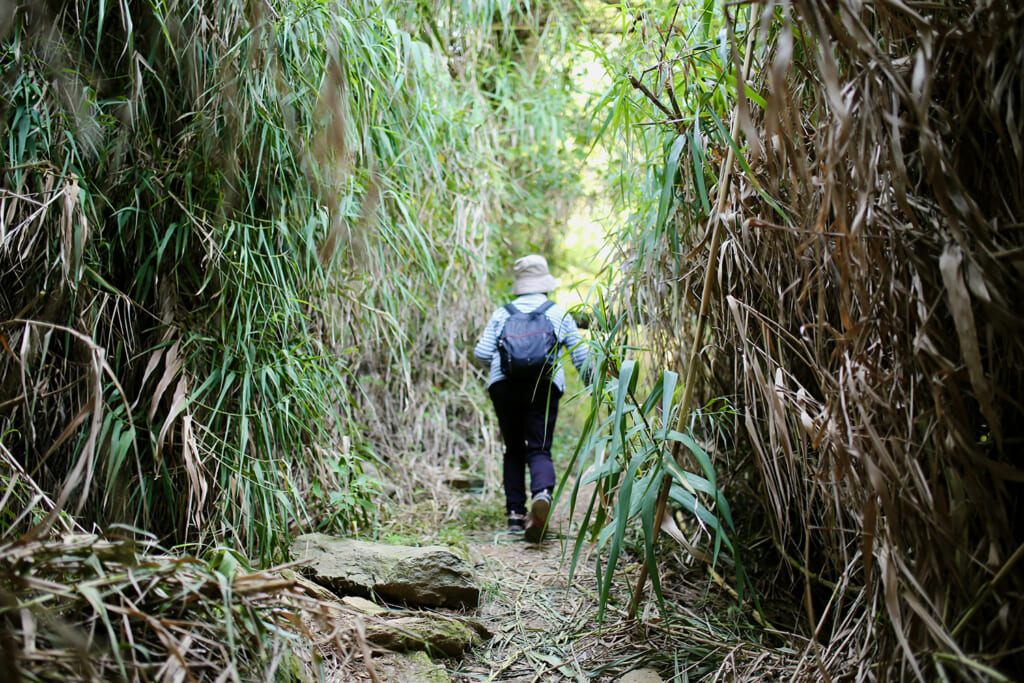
column 699, row 164
column 622, row 391
column 741, row 160
column 669, row 380
column 652, row 399
column 650, row 501
column 706, row 15
column 698, row 453
column 669, row 172
column 621, row 516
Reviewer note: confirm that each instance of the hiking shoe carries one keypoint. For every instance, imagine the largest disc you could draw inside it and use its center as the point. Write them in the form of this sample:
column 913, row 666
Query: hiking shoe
column 516, row 521
column 538, row 518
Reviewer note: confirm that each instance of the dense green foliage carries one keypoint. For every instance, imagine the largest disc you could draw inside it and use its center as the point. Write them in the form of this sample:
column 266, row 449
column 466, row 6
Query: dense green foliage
column 218, row 214
column 243, row 245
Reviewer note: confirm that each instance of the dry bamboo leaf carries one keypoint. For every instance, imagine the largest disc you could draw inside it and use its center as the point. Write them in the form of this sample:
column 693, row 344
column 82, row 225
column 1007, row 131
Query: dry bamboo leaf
column 891, row 585
column 959, row 302
column 976, row 283
column 868, row 536
column 88, row 452
column 172, row 365
column 86, row 460
column 669, row 526
column 154, row 360
column 178, row 401
column 70, row 251
column 198, row 486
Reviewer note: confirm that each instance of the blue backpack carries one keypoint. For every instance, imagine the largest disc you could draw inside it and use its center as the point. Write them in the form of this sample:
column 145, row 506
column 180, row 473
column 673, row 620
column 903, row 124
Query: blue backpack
column 527, row 343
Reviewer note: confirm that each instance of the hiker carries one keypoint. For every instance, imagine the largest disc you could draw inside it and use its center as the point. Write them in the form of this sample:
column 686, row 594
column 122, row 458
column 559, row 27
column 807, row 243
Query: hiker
column 528, row 406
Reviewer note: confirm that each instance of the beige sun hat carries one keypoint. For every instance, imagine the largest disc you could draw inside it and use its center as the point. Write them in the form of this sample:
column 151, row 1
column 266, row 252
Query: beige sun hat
column 532, row 276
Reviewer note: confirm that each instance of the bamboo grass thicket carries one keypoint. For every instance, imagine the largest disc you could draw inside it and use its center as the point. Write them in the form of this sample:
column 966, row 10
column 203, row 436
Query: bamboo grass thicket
column 863, row 324
column 157, row 201
column 222, row 203
column 635, row 442
column 241, row 244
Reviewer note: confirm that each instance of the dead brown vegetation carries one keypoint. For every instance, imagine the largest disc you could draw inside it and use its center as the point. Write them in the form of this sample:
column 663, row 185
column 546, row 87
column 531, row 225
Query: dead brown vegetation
column 869, row 310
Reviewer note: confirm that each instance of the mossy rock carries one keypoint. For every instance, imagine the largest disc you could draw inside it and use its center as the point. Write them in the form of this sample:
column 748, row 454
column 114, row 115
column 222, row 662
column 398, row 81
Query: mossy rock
column 432, row 576
column 432, row 633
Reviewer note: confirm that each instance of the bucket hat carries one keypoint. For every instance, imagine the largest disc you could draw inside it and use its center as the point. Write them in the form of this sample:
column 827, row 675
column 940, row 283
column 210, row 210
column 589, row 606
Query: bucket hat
column 531, row 276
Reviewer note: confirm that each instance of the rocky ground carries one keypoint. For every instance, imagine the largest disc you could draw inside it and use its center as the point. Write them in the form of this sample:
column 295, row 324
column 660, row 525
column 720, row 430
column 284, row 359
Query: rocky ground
column 541, row 623
column 538, row 623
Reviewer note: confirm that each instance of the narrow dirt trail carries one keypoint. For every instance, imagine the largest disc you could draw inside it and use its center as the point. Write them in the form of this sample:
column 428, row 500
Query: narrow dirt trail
column 544, row 625
column 538, row 619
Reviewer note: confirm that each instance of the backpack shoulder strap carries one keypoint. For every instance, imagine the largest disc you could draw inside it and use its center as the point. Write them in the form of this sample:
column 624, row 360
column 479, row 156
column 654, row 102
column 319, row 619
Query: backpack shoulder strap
column 540, row 309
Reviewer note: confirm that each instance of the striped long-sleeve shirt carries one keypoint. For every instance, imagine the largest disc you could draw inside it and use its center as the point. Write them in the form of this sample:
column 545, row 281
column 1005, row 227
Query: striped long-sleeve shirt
column 486, row 350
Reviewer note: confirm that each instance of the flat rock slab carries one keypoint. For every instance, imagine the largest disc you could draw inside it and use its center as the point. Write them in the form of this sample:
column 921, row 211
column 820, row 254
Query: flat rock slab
column 429, row 631
column 410, row 667
column 464, row 481
column 641, row 676
column 432, row 633
column 433, row 576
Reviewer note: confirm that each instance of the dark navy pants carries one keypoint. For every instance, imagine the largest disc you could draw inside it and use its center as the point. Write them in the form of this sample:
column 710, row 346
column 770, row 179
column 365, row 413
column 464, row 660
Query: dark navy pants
column 527, row 411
